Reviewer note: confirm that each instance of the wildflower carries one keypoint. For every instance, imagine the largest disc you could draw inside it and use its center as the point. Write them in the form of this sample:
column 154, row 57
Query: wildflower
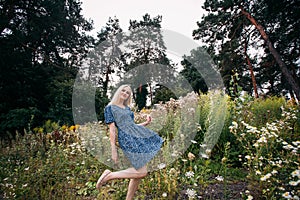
column 296, row 173
column 189, row 174
column 224, row 159
column 284, row 143
column 172, row 171
column 161, row 166
column 219, row 178
column 296, row 197
column 193, row 141
column 191, row 193
column 72, row 128
column 235, row 124
column 248, row 157
column 288, row 147
column 286, row 195
column 255, row 144
column 267, row 176
column 208, row 151
column 262, row 140
column 191, row 156
column 258, row 172
column 164, row 194
column 203, row 155
column 26, row 169
column 281, row 188
column 294, row 183
column 250, row 197
column 296, row 143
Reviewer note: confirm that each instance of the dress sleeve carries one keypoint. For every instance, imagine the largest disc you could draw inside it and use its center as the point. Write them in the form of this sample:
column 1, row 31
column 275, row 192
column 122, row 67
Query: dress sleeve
column 108, row 116
column 132, row 115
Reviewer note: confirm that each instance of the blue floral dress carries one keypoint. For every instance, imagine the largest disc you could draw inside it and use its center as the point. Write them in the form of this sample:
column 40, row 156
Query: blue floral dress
column 138, row 143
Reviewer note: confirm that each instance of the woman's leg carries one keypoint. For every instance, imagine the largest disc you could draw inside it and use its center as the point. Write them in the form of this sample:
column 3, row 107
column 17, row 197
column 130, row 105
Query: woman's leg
column 131, row 173
column 132, row 188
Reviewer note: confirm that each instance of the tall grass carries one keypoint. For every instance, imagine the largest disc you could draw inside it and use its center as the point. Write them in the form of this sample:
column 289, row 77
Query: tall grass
column 258, row 148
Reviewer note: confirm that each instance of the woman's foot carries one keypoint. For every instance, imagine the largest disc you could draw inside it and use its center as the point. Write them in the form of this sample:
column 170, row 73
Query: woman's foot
column 102, row 180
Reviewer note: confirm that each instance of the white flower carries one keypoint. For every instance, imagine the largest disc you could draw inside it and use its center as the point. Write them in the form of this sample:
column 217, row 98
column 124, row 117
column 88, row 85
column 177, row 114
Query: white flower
column 203, row 155
column 258, row 172
column 267, row 176
column 248, row 157
column 164, row 194
column 296, row 173
column 295, row 197
column 161, row 166
column 193, row 141
column 191, row 193
column 191, row 156
column 294, row 183
column 189, row 174
column 208, row 151
column 26, row 169
column 219, row 178
column 263, row 139
column 250, row 197
column 255, row 144
column 286, row 195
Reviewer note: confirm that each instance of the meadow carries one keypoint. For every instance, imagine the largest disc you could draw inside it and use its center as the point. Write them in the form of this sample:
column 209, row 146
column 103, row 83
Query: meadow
column 252, row 154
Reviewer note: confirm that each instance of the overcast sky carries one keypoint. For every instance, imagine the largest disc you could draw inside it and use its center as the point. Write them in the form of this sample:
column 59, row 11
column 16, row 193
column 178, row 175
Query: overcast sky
column 177, row 15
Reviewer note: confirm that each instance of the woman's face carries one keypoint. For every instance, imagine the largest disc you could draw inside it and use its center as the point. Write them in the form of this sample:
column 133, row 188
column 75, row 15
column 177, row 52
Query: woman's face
column 125, row 93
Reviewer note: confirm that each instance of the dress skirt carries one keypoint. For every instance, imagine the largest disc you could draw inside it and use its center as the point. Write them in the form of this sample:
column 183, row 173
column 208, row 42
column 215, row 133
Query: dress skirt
column 138, row 143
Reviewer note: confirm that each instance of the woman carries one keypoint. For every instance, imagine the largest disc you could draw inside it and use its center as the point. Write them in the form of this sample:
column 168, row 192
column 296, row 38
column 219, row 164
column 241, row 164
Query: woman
column 138, row 143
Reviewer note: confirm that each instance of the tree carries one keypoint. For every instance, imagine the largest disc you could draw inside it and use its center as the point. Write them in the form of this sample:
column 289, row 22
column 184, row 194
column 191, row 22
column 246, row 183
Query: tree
column 42, row 43
column 105, row 60
column 230, row 21
column 146, row 47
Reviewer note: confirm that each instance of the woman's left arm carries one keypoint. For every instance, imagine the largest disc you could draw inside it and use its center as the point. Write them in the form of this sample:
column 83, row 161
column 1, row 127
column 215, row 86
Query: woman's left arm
column 149, row 119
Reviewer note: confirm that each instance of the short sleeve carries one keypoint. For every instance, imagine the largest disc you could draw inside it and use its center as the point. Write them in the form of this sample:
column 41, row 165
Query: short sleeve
column 108, row 116
column 132, row 115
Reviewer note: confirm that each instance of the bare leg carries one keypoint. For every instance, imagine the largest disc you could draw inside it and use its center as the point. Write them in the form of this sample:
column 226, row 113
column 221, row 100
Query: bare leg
column 132, row 188
column 135, row 176
column 131, row 173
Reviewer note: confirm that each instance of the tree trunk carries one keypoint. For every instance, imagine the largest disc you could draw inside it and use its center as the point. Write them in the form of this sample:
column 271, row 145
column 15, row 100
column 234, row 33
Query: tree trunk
column 251, row 70
column 274, row 52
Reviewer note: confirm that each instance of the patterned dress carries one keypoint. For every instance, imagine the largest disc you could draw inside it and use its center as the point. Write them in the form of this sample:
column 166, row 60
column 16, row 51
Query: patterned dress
column 138, row 143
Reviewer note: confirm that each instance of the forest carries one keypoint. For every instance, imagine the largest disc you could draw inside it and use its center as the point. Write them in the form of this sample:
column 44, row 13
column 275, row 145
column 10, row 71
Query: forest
column 246, row 141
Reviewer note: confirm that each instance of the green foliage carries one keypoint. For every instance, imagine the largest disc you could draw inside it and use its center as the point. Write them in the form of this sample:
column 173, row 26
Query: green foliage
column 225, row 22
column 255, row 160
column 42, row 43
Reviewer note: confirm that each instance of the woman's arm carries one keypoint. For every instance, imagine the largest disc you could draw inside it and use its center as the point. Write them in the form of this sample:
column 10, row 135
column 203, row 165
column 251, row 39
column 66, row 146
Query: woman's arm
column 112, row 136
column 149, row 119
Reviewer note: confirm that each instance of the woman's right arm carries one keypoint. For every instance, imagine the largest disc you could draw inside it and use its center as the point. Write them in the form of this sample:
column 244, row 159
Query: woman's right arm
column 112, row 136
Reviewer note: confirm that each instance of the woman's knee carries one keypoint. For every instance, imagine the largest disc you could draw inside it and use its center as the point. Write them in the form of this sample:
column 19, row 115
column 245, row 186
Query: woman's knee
column 143, row 172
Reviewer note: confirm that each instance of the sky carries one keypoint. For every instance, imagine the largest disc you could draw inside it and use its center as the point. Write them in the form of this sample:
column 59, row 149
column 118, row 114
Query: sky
column 177, row 15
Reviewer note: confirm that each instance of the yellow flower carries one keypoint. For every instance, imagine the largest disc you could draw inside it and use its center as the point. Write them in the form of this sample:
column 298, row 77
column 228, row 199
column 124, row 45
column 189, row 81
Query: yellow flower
column 64, row 127
column 72, row 128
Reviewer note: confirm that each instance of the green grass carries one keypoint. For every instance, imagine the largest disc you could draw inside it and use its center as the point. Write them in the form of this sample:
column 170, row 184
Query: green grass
column 56, row 165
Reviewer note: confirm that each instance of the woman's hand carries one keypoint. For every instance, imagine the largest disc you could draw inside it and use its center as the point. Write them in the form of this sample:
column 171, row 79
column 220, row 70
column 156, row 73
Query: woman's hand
column 149, row 119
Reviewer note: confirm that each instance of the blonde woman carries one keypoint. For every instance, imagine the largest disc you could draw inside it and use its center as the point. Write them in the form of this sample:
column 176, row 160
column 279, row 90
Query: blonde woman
column 138, row 143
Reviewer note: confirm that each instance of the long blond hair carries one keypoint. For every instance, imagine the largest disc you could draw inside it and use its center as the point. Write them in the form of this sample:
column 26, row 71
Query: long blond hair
column 115, row 99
